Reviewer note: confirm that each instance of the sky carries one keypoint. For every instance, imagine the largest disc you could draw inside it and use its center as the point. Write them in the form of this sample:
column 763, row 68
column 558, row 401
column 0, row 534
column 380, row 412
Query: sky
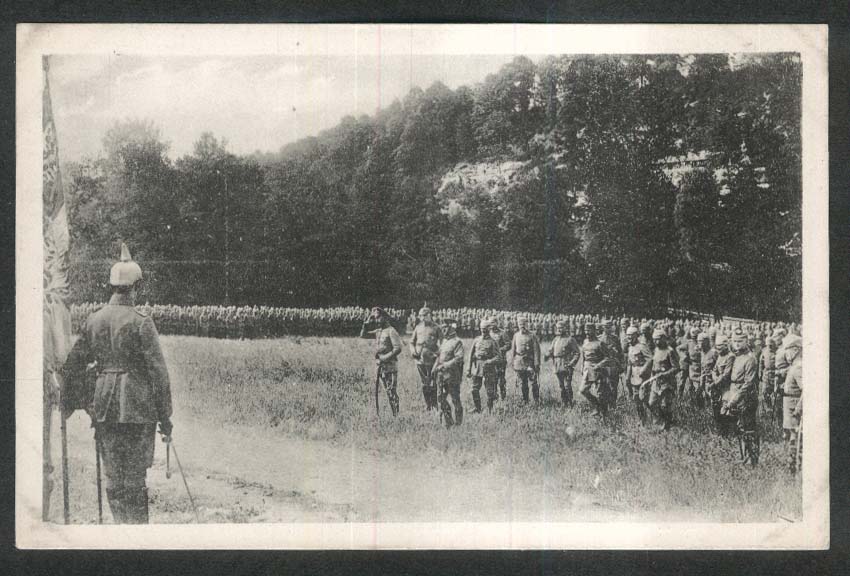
column 253, row 102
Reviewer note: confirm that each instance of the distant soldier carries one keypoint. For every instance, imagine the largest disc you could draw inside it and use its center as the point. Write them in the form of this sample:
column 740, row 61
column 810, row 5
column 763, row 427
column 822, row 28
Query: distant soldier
column 691, row 364
column 387, row 350
column 449, row 374
column 484, row 358
column 665, row 365
column 525, row 351
column 721, row 379
column 424, row 347
column 638, row 370
column 792, row 400
column 740, row 401
column 594, row 356
column 707, row 359
column 767, row 379
column 503, row 339
column 612, row 343
column 120, row 348
column 564, row 354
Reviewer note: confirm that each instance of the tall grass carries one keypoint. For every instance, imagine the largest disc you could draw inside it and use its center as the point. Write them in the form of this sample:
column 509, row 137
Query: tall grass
column 322, row 389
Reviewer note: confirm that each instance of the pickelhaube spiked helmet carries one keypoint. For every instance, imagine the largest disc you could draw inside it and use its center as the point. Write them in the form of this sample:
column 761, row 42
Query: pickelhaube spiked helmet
column 126, row 272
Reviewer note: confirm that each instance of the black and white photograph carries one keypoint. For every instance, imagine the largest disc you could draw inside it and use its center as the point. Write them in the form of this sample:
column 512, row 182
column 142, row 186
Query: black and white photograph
column 430, row 286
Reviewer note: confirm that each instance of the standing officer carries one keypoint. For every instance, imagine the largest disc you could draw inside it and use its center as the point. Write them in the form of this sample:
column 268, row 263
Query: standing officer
column 448, row 371
column 120, row 346
column 638, row 369
column 707, row 359
column 792, row 399
column 665, row 365
column 741, row 400
column 504, row 340
column 612, row 343
column 525, row 350
column 424, row 347
column 766, row 371
column 484, row 357
column 564, row 354
column 720, row 379
column 387, row 350
column 594, row 356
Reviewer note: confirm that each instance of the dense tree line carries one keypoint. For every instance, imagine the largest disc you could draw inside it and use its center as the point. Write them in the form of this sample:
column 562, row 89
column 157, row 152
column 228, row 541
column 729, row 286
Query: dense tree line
column 610, row 183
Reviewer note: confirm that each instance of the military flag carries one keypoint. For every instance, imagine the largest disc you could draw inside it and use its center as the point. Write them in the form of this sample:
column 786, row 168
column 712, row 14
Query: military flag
column 57, row 318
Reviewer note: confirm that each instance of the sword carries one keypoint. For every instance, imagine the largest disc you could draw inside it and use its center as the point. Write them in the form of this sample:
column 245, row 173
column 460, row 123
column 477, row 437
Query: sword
column 183, row 475
column 99, row 482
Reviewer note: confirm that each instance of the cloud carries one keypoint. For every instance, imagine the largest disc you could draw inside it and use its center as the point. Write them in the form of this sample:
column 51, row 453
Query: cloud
column 254, row 103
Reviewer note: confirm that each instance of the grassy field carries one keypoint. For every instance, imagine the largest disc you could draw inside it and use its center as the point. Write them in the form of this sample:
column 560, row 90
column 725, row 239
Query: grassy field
column 320, row 390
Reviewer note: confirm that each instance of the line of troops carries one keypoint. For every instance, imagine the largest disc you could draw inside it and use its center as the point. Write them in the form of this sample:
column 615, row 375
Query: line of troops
column 241, row 322
column 247, row 322
column 734, row 371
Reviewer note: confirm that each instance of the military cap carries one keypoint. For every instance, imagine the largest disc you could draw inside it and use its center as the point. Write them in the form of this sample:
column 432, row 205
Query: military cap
column 658, row 333
column 702, row 336
column 424, row 311
column 560, row 325
column 126, row 272
column 378, row 311
column 485, row 324
column 721, row 339
column 631, row 330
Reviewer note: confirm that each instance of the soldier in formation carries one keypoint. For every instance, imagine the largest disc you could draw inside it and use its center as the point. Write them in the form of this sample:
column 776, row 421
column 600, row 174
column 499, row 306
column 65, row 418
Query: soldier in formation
column 594, row 357
column 119, row 347
column 482, row 367
column 638, row 370
column 792, row 400
column 525, row 351
column 449, row 373
column 387, row 350
column 564, row 354
column 424, row 347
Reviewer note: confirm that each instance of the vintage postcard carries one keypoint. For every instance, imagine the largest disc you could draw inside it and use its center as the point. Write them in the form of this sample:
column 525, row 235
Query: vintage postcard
column 422, row 286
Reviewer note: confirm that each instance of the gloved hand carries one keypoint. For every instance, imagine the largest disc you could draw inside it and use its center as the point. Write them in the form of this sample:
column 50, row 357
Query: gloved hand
column 165, row 427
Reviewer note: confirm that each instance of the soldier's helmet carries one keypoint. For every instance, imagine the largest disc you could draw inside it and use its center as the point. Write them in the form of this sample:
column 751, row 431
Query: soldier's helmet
column 721, row 340
column 424, row 311
column 624, row 322
column 125, row 272
column 658, row 333
column 560, row 326
column 702, row 336
column 522, row 321
column 485, row 324
column 631, row 330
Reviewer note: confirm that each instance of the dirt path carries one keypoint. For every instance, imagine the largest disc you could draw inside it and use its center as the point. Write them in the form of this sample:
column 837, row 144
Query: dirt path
column 245, row 474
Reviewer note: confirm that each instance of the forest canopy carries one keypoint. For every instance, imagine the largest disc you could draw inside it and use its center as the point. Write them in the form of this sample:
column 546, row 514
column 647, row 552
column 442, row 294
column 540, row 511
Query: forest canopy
column 572, row 184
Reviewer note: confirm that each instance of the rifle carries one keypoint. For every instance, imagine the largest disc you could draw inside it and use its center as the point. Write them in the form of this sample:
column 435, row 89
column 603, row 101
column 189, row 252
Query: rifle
column 377, row 388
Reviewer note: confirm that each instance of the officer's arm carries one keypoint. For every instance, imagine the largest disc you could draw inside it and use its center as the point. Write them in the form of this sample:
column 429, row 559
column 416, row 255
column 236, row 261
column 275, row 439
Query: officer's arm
column 413, row 340
column 646, row 369
column 457, row 356
column 73, row 372
column 573, row 352
column 156, row 369
column 471, row 358
column 750, row 376
column 396, row 350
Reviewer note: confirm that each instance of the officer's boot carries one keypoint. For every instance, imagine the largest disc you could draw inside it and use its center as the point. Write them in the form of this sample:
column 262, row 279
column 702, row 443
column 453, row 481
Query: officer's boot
column 490, row 401
column 458, row 413
column 524, row 381
column 136, row 500
column 535, row 391
column 476, row 400
column 116, row 504
column 426, row 394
